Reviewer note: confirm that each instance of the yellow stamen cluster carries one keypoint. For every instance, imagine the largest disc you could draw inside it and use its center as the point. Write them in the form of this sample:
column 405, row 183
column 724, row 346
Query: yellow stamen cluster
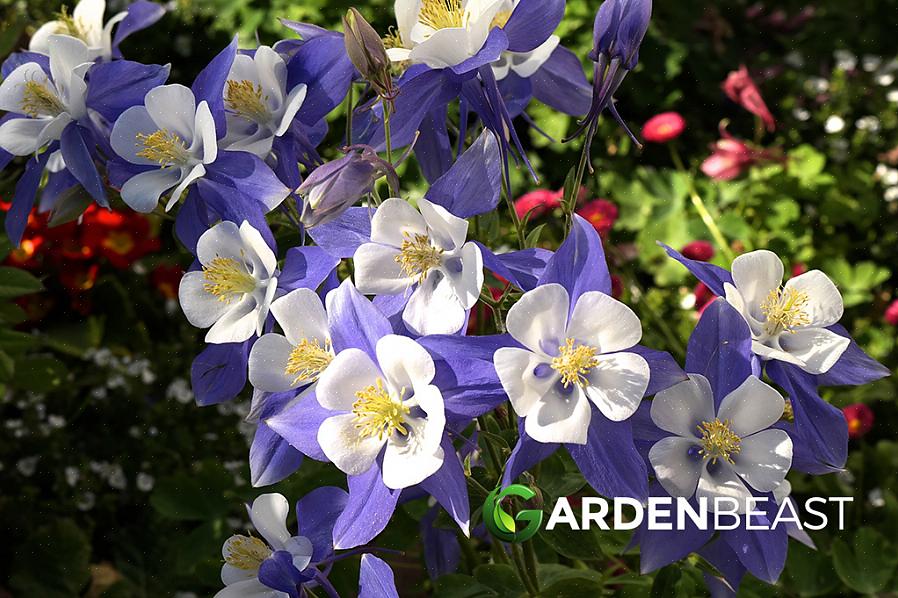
column 377, row 413
column 226, row 279
column 308, row 359
column 68, row 25
column 442, row 14
column 39, row 100
column 788, row 412
column 246, row 552
column 501, row 19
column 246, row 99
column 785, row 309
column 392, row 39
column 163, row 147
column 417, row 256
column 574, row 362
column 719, row 441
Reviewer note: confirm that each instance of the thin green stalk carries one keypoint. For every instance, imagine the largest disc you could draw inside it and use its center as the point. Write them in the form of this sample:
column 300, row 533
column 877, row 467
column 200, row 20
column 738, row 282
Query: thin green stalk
column 532, row 562
column 517, row 557
column 387, row 138
column 349, row 101
column 578, row 179
column 518, row 226
column 495, row 460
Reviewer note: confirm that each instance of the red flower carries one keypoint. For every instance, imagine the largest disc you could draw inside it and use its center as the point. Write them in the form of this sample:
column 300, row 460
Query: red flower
column 859, row 418
column 120, row 237
column 799, row 268
column 601, row 213
column 703, row 297
column 891, row 314
column 617, row 286
column 702, row 251
column 740, row 88
column 663, row 127
column 78, row 278
column 166, row 278
column 732, row 157
column 537, row 203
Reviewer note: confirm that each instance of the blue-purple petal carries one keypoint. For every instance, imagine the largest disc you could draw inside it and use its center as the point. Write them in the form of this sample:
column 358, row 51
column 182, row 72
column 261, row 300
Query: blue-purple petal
column 560, row 83
column 376, row 579
column 532, row 22
column 473, row 184
column 80, row 163
column 271, row 458
column 450, row 488
column 23, row 197
column 324, row 67
column 141, row 14
column 609, row 460
column 306, row 268
column 854, row 366
column 712, row 276
column 218, row 374
column 664, row 369
column 579, row 264
column 341, row 237
column 720, row 349
column 354, row 322
column 521, row 268
column 298, row 424
column 209, row 85
column 368, row 510
column 316, row 514
column 116, row 86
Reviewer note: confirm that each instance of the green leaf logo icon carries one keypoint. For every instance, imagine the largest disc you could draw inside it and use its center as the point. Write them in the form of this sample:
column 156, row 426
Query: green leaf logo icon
column 502, row 525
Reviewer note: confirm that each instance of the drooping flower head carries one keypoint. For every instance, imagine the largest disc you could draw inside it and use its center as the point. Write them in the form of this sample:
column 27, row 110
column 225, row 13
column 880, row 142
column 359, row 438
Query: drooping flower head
column 740, row 88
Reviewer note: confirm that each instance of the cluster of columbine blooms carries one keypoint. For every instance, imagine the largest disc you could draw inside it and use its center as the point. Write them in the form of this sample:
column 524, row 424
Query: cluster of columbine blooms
column 374, row 372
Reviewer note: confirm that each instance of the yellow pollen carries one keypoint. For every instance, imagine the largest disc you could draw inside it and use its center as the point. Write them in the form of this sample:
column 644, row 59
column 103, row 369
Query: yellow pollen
column 574, row 362
column 162, row 147
column 245, row 98
column 379, row 414
column 392, row 39
column 501, row 19
column 39, row 100
column 719, row 441
column 417, row 256
column 68, row 25
column 788, row 412
column 308, row 359
column 442, row 14
column 226, row 279
column 246, row 552
column 785, row 310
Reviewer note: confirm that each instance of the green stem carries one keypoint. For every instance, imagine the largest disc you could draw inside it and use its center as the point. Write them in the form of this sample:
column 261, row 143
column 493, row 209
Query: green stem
column 490, row 448
column 518, row 226
column 387, row 139
column 532, row 563
column 578, row 179
column 349, row 101
column 517, row 557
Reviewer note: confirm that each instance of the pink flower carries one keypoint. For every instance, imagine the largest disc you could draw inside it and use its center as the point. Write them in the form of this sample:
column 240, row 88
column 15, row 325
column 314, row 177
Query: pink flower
column 702, row 251
column 859, row 418
column 732, row 157
column 601, row 213
column 740, row 88
column 537, row 202
column 663, row 127
column 891, row 314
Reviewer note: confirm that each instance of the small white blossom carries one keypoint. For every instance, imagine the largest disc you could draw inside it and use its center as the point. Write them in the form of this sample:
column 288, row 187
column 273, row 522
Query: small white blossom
column 834, row 124
column 144, row 482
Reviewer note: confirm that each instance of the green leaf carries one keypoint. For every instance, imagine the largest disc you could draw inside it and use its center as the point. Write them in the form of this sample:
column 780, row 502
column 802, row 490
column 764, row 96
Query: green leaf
column 460, row 586
column 7, row 366
column 53, row 562
column 809, row 572
column 501, row 578
column 574, row 587
column 39, row 373
column 16, row 342
column 805, row 163
column 17, row 282
column 867, row 568
column 69, row 206
column 532, row 239
column 574, row 544
column 665, row 584
column 198, row 497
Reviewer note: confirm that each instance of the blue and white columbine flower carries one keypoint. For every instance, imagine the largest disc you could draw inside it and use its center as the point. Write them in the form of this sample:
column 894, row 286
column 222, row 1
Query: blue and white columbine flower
column 426, row 249
column 523, row 64
column 48, row 104
column 171, row 134
column 259, row 108
column 716, row 454
column 387, row 407
column 232, row 294
column 86, row 24
column 788, row 321
column 569, row 362
column 282, row 362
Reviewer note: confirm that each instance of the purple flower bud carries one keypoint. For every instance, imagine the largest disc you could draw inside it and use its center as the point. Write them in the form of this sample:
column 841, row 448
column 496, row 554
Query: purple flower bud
column 618, row 31
column 333, row 187
column 367, row 52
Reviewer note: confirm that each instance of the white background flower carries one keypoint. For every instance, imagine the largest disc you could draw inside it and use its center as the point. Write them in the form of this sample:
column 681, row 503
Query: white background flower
column 170, row 132
column 391, row 403
column 86, row 24
column 788, row 322
column 716, row 454
column 231, row 295
column 427, row 248
column 569, row 363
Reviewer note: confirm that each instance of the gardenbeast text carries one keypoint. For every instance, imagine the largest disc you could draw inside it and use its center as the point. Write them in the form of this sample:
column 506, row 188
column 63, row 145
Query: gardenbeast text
column 667, row 513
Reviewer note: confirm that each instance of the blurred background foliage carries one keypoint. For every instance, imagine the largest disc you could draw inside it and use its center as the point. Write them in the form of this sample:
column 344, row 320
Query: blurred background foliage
column 116, row 484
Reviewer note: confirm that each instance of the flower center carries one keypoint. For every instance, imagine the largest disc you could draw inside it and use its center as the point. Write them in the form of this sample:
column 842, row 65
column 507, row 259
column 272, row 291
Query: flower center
column 501, row 19
column 392, row 39
column 379, row 414
column 719, row 441
column 574, row 362
column 308, row 359
column 120, row 242
column 246, row 552
column 442, row 14
column 38, row 100
column 245, row 98
column 417, row 256
column 225, row 279
column 785, row 310
column 68, row 25
column 163, row 147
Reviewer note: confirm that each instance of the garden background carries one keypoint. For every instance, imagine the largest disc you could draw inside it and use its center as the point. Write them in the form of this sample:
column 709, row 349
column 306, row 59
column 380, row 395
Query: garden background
column 115, row 483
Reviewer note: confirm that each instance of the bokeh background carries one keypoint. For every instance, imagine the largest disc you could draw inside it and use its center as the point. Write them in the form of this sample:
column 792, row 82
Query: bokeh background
column 115, row 483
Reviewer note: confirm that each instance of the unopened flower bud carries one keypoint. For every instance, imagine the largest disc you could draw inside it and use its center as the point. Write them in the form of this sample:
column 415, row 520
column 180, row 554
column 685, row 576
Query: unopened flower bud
column 367, row 52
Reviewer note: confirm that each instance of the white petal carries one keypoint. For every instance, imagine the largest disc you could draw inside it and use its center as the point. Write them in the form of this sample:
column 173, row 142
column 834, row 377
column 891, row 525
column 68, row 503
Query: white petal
column 433, row 307
column 268, row 364
column 269, row 516
column 244, row 69
column 272, row 72
column 767, row 352
column 66, row 54
column 222, row 240
column 404, row 362
column 677, row 465
column 818, row 349
column 539, row 319
column 395, row 221
column 21, row 136
column 263, row 258
column 765, row 459
column 407, row 464
column 682, row 407
column 753, row 406
column 237, row 324
column 517, row 370
column 40, row 39
column 205, row 141
column 350, row 371
column 301, row 548
column 536, row 58
column 301, row 315
column 142, row 191
column 173, row 108
column 377, row 272
column 12, row 89
column 294, row 102
column 724, row 483
column 560, row 416
column 53, row 129
column 735, row 298
column 605, row 323
column 755, row 274
column 194, row 173
column 444, row 48
column 249, row 588
column 231, row 574
column 465, row 274
column 617, row 384
column 447, row 230
column 201, row 308
column 341, row 443
column 406, row 12
column 399, row 54
column 124, row 137
column 88, row 14
column 824, row 307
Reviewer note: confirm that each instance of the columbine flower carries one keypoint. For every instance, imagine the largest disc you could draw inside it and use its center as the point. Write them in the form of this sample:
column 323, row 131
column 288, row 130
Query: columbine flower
column 788, row 322
column 245, row 555
column 663, row 127
column 522, row 64
column 85, row 24
column 281, row 362
column 259, row 108
column 232, row 294
column 426, row 249
column 171, row 134
column 390, row 407
column 859, row 418
column 47, row 104
column 716, row 454
column 569, row 361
